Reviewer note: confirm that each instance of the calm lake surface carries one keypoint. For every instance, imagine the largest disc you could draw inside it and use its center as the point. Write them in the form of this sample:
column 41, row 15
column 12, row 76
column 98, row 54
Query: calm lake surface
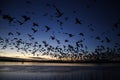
column 58, row 71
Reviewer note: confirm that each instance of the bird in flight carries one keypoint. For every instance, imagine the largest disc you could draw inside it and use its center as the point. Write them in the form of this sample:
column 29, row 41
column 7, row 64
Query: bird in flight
column 35, row 24
column 70, row 35
column 10, row 33
column 77, row 21
column 20, row 23
column 98, row 38
column 107, row 39
column 26, row 18
column 47, row 28
column 8, row 17
column 34, row 30
column 58, row 12
column 81, row 34
column 18, row 33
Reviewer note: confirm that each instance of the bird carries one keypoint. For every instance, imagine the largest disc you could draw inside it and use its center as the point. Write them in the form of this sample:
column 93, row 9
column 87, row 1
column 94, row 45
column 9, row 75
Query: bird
column 0, row 12
column 31, row 37
column 58, row 41
column 47, row 28
column 10, row 33
column 45, row 43
column 98, row 38
column 35, row 24
column 18, row 33
column 81, row 34
column 52, row 37
column 70, row 35
column 107, row 39
column 8, row 17
column 58, row 12
column 66, row 40
column 118, row 35
column 20, row 23
column 4, row 47
column 77, row 21
column 26, row 18
column 34, row 30
column 60, row 22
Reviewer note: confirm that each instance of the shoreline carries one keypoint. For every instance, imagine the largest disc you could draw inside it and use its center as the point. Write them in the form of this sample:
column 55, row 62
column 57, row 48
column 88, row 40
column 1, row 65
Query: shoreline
column 9, row 59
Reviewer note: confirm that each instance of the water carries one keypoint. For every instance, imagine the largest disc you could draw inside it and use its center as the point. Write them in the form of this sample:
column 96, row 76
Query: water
column 58, row 71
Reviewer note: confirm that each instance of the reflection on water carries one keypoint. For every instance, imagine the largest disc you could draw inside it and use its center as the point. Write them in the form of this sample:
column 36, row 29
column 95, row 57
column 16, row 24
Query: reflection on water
column 55, row 71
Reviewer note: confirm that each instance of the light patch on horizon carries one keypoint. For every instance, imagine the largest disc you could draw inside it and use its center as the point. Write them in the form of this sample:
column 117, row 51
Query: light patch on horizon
column 18, row 55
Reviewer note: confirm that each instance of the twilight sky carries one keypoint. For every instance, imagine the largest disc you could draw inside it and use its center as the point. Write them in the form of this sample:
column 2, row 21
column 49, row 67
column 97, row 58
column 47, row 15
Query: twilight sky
column 33, row 26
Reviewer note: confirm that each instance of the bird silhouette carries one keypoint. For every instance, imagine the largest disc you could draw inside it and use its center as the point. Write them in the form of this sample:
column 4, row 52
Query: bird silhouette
column 58, row 12
column 89, row 26
column 4, row 47
column 66, row 40
column 20, row 23
column 81, row 34
column 29, row 35
column 35, row 24
column 118, row 35
column 52, row 37
column 26, row 18
column 98, row 38
column 45, row 43
column 10, row 33
column 18, row 33
column 8, row 17
column 107, row 39
column 60, row 22
column 77, row 21
column 34, row 30
column 58, row 41
column 70, row 35
column 47, row 28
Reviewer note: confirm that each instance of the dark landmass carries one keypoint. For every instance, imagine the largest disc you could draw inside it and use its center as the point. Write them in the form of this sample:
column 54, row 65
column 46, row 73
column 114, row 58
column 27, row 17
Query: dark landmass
column 42, row 60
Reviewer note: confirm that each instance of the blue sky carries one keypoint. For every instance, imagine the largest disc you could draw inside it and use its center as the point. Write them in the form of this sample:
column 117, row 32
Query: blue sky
column 97, row 15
